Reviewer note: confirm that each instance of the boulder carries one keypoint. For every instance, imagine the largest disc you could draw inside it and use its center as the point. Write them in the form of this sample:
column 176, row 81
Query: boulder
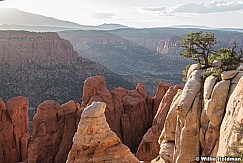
column 234, row 82
column 208, row 86
column 226, row 75
column 187, row 146
column 236, row 79
column 94, row 141
column 215, row 106
column 191, row 89
column 164, row 106
column 192, row 68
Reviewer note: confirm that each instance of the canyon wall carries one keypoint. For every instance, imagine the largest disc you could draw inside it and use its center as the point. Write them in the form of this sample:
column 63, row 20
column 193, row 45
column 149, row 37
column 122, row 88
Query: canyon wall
column 43, row 62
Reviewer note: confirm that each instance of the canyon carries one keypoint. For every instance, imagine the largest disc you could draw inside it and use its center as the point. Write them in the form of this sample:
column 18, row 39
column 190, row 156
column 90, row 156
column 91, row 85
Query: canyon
column 87, row 113
column 142, row 55
column 200, row 117
column 43, row 66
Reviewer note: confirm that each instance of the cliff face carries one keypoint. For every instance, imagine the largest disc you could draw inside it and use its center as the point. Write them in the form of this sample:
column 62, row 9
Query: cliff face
column 45, row 63
column 169, row 45
column 44, row 49
column 196, row 129
column 14, row 130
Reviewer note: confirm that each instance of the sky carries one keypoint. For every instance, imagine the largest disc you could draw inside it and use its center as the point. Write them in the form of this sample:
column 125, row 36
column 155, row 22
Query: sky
column 138, row 13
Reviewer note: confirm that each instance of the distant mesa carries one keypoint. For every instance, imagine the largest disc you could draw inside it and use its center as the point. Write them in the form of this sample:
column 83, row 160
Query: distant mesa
column 15, row 19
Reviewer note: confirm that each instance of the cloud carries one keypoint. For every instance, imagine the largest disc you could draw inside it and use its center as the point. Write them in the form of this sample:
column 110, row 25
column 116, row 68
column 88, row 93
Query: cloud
column 154, row 9
column 214, row 6
column 103, row 15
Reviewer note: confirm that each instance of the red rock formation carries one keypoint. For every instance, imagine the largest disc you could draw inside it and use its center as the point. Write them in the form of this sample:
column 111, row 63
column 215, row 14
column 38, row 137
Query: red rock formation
column 14, row 130
column 53, row 128
column 95, row 142
column 40, row 48
column 162, row 89
column 95, row 89
column 133, row 115
column 149, row 147
column 129, row 113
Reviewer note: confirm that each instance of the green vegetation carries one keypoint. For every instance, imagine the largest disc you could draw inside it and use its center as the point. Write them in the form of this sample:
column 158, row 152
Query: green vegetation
column 230, row 57
column 198, row 46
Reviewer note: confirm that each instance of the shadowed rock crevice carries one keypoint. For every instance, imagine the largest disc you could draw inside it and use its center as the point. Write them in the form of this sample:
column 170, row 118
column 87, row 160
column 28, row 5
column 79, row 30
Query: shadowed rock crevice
column 129, row 112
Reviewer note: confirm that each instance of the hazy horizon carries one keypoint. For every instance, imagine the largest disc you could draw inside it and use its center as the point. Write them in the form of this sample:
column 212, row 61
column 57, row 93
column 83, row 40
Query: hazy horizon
column 138, row 13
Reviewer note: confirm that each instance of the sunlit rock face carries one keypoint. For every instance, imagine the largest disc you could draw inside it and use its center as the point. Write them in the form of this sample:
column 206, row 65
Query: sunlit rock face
column 54, row 126
column 201, row 120
column 94, row 141
column 231, row 128
column 14, row 130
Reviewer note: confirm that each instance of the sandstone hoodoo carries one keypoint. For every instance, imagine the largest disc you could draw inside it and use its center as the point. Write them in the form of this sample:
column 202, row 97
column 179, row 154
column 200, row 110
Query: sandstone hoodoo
column 129, row 112
column 14, row 130
column 54, row 126
column 94, row 141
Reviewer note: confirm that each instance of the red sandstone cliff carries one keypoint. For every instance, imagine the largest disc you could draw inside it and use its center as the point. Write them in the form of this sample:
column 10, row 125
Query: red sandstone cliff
column 14, row 130
column 45, row 63
column 45, row 49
